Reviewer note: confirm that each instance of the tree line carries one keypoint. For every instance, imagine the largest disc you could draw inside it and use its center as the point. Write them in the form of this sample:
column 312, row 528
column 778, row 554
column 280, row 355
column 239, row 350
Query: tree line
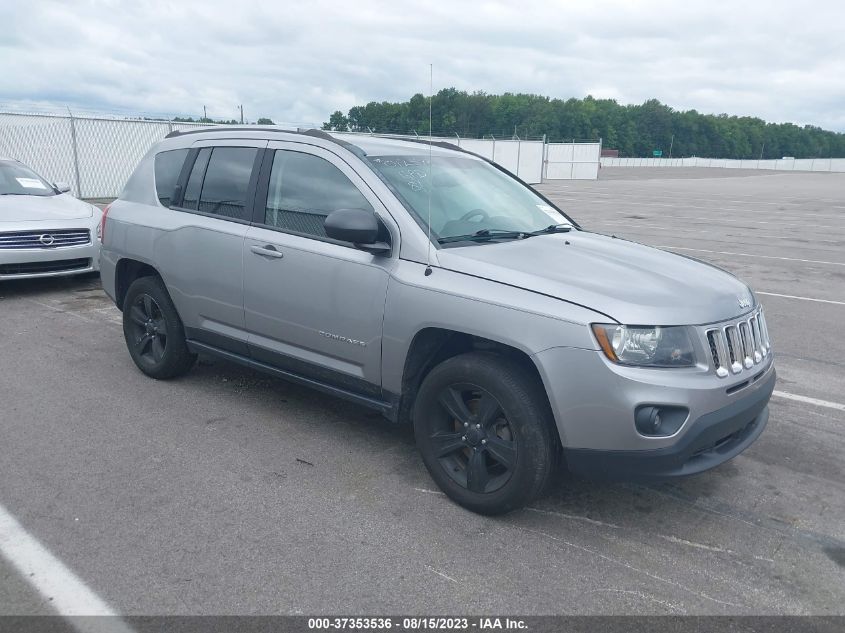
column 202, row 119
column 635, row 130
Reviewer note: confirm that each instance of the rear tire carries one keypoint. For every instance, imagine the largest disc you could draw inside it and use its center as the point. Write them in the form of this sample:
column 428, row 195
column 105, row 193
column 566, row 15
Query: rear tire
column 486, row 433
column 153, row 330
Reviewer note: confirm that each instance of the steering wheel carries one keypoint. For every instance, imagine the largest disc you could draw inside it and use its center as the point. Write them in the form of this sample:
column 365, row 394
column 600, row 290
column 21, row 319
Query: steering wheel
column 471, row 214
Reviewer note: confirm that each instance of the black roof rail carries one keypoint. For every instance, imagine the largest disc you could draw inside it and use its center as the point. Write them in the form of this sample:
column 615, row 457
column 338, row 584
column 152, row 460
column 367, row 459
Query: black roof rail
column 328, row 137
column 425, row 141
column 241, row 128
column 321, row 134
column 229, row 128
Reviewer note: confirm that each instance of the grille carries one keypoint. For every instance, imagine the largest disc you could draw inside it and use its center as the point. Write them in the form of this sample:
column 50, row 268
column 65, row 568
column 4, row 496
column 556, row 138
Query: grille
column 54, row 238
column 34, row 268
column 739, row 345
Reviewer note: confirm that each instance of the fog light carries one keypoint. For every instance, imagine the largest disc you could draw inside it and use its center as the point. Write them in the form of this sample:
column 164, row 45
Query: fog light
column 648, row 420
column 659, row 421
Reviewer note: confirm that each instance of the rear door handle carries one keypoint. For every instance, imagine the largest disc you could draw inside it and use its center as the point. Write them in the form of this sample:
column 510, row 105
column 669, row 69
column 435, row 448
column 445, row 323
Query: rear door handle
column 266, row 251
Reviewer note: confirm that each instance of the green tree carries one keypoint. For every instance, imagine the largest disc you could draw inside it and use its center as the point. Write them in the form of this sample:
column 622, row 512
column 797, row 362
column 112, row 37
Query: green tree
column 635, row 130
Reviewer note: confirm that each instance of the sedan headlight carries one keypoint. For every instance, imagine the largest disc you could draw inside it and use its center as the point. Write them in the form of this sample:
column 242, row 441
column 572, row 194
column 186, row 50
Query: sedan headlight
column 646, row 346
column 98, row 213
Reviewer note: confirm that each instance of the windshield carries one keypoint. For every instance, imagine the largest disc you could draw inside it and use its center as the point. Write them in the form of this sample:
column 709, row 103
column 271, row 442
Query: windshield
column 467, row 196
column 19, row 180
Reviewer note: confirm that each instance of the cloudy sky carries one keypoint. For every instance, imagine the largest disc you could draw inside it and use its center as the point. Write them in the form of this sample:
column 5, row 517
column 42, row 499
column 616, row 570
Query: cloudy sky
column 296, row 62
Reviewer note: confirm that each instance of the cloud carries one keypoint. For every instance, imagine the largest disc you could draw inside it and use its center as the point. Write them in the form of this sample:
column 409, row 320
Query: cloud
column 296, row 62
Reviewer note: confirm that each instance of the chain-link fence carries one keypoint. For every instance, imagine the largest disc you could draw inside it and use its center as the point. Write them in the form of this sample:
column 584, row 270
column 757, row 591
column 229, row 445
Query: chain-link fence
column 96, row 155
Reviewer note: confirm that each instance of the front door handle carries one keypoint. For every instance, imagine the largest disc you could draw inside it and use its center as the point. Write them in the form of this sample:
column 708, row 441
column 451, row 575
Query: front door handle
column 267, row 251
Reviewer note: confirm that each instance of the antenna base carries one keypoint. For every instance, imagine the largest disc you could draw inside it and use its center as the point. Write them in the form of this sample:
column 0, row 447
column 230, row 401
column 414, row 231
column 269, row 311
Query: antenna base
column 428, row 271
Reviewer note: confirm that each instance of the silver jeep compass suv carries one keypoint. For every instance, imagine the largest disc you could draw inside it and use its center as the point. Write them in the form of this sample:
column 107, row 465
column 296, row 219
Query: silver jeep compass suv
column 433, row 286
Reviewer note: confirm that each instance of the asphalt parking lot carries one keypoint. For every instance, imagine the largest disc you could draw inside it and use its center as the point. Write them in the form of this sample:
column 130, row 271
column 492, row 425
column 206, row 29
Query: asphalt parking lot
column 230, row 492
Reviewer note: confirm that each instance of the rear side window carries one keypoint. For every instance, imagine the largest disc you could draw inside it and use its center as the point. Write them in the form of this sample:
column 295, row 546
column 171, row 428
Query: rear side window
column 226, row 182
column 304, row 189
column 168, row 166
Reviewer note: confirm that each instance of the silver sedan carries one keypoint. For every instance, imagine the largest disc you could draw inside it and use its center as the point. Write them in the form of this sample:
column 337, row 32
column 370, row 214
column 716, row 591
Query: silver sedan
column 44, row 230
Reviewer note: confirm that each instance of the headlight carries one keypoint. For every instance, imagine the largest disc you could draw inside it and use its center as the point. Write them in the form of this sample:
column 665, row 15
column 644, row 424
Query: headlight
column 646, row 346
column 99, row 229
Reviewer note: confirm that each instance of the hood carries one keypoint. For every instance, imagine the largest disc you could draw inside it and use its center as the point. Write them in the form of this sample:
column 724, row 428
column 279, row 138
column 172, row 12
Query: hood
column 632, row 283
column 43, row 208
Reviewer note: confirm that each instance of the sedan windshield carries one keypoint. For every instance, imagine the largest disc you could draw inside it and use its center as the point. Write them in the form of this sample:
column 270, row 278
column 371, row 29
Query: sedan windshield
column 469, row 198
column 19, row 180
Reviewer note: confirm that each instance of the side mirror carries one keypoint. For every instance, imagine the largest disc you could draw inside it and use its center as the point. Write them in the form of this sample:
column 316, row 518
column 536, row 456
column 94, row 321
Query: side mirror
column 358, row 226
column 62, row 187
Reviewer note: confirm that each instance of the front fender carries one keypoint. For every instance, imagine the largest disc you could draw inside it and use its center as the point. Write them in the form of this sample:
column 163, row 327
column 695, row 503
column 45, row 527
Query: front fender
column 453, row 301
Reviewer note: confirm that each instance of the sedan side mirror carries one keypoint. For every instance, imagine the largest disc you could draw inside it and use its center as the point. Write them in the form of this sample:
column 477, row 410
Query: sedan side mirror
column 358, row 226
column 62, row 187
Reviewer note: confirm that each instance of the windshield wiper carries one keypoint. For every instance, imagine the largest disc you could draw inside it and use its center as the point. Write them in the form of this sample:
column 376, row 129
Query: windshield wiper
column 484, row 235
column 554, row 228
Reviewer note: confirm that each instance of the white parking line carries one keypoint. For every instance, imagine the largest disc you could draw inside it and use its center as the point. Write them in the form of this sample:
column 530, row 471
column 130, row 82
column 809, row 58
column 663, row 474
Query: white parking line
column 806, row 400
column 788, row 259
column 63, row 590
column 775, row 294
column 633, row 228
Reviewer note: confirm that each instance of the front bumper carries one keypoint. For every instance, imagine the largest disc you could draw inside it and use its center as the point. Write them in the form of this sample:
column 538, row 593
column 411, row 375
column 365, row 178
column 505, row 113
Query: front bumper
column 50, row 262
column 594, row 404
column 711, row 440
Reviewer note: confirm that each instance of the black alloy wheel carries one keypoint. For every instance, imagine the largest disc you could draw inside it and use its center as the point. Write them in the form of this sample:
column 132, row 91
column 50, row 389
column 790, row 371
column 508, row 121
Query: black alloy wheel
column 473, row 439
column 485, row 431
column 153, row 330
column 149, row 329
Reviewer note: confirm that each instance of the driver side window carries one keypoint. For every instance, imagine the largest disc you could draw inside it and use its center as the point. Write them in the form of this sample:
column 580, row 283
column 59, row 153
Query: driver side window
column 304, row 189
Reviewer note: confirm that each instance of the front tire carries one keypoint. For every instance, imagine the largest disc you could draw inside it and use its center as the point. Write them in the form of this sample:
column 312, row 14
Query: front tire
column 153, row 330
column 485, row 431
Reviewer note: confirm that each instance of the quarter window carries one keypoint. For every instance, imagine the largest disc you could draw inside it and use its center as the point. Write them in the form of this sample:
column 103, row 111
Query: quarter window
column 168, row 166
column 304, row 189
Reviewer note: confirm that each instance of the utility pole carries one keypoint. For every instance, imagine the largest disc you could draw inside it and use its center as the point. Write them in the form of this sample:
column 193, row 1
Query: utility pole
column 671, row 143
column 242, row 113
column 762, row 147
column 204, row 114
